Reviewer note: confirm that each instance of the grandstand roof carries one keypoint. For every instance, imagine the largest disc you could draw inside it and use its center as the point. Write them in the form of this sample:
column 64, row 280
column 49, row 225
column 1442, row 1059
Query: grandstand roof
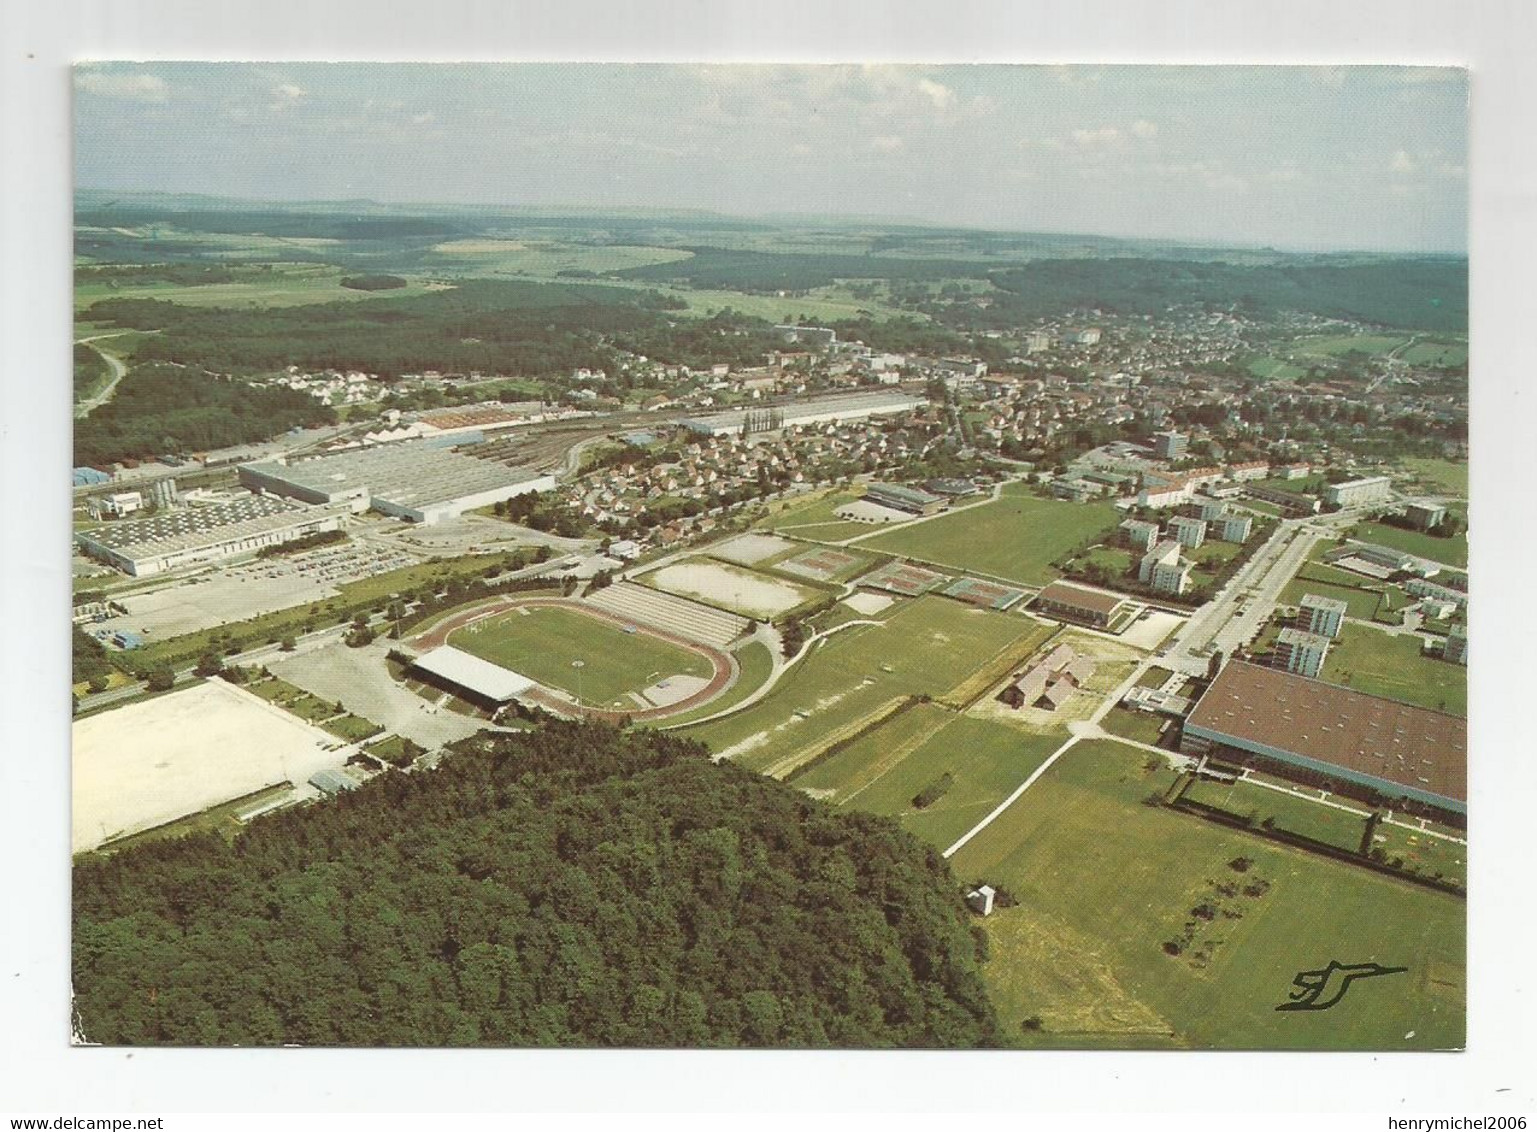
column 470, row 672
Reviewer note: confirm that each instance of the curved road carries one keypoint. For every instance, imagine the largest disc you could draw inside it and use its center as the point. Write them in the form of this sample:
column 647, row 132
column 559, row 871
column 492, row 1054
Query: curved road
column 114, row 363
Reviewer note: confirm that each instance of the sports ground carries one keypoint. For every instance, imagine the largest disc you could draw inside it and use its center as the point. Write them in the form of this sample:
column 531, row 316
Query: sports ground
column 149, row 763
column 587, row 656
column 1017, row 537
column 1103, row 882
column 925, row 646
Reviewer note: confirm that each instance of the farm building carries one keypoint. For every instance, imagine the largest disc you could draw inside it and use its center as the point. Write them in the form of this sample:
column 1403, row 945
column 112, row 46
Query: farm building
column 1322, row 732
column 1050, row 682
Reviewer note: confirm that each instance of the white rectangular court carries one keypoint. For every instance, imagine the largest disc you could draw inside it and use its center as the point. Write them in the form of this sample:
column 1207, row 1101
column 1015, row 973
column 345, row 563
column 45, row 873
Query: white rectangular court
column 141, row 766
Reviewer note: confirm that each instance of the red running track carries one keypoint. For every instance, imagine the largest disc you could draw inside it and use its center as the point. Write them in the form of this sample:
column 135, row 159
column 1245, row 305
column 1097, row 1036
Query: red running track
column 723, row 675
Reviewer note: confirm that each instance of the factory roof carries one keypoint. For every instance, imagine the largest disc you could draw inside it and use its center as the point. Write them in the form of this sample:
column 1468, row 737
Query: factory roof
column 1251, row 707
column 411, row 474
column 197, row 526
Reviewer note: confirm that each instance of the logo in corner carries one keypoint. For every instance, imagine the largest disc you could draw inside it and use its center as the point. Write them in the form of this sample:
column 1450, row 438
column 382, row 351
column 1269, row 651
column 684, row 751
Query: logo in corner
column 1323, row 988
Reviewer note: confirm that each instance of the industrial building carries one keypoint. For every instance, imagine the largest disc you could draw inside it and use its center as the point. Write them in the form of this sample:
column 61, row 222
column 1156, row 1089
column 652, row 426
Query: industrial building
column 414, row 481
column 1353, row 492
column 1069, row 602
column 1322, row 615
column 203, row 534
column 910, row 499
column 1325, row 733
column 816, row 410
column 1299, row 651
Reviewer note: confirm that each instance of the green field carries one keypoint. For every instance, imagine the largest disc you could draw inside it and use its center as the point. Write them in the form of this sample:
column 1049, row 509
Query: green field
column 1445, row 475
column 1437, row 353
column 930, row 644
column 886, row 767
column 1452, row 551
column 285, row 285
column 1285, row 811
column 1362, row 603
column 1016, row 537
column 1102, row 881
column 1382, row 664
column 1337, row 347
column 818, row 509
column 542, row 257
column 543, row 643
column 1267, row 367
column 1138, row 726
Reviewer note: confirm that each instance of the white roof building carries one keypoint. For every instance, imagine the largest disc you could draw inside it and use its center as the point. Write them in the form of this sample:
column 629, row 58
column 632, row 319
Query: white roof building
column 491, row 681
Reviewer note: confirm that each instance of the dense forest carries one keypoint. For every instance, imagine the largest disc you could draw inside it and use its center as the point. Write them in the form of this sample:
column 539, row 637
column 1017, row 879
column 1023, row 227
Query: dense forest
column 571, row 886
column 88, row 660
column 164, row 408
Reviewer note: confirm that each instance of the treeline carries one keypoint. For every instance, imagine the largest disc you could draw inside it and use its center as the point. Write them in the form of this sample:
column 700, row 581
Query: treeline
column 89, row 662
column 492, row 326
column 302, row 543
column 180, row 274
column 373, row 282
column 571, row 886
column 90, row 367
column 158, row 409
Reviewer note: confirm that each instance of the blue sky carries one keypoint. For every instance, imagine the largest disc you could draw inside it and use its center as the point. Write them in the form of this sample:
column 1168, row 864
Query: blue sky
column 1316, row 157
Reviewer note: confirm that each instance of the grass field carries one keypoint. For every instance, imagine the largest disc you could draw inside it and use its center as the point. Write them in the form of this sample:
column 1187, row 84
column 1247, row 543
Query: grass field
column 544, row 257
column 542, row 643
column 1139, row 726
column 1266, row 367
column 285, row 285
column 1436, row 353
column 818, row 509
column 1103, row 881
column 1452, row 551
column 885, row 769
column 930, row 644
column 1445, row 475
column 1382, row 664
column 1016, row 537
column 1362, row 603
column 1338, row 347
column 1286, row 811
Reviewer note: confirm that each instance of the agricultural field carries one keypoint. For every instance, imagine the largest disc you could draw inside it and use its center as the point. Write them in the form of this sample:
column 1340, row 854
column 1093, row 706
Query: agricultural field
column 1435, row 352
column 1392, row 665
column 541, row 257
column 733, row 588
column 1016, row 537
column 543, row 643
column 1103, row 881
column 1452, row 551
column 277, row 285
column 929, row 645
column 885, row 769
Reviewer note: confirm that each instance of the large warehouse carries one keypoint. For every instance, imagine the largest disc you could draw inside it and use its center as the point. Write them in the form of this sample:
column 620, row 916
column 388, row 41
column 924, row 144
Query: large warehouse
column 414, row 481
column 204, row 533
column 1332, row 733
column 765, row 417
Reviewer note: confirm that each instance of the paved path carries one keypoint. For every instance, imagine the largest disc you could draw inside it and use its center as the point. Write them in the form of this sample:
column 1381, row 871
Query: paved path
column 117, row 366
column 1012, row 798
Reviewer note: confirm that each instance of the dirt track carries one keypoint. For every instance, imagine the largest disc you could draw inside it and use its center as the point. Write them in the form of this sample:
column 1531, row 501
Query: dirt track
column 723, row 674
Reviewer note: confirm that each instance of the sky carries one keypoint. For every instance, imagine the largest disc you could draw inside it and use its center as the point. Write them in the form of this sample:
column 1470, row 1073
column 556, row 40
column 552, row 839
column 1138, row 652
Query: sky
column 1314, row 158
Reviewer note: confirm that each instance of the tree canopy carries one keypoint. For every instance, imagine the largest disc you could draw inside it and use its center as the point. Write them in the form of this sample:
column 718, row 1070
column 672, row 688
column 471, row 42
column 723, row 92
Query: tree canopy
column 575, row 885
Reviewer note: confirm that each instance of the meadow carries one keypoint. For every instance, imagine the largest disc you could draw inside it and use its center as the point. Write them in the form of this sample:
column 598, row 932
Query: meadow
column 271, row 285
column 1017, row 536
column 544, row 644
column 1452, row 551
column 886, row 768
column 928, row 646
column 1103, row 882
column 1384, row 664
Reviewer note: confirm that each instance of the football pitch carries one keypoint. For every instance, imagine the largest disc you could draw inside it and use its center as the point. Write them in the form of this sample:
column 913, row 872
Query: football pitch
column 930, row 645
column 1017, row 536
column 546, row 643
column 1104, row 882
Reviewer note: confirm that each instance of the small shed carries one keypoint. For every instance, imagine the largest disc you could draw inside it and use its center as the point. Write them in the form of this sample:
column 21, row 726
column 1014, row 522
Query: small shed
column 980, row 899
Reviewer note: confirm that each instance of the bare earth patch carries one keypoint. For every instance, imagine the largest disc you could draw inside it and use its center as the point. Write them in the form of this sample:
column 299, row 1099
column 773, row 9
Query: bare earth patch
column 866, row 602
column 741, row 591
column 748, row 549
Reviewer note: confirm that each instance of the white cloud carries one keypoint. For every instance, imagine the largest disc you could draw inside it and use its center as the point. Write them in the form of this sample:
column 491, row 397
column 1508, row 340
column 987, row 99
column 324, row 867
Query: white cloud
column 1106, row 135
column 1402, row 162
column 424, row 118
column 285, row 95
column 134, row 88
column 887, row 143
column 1144, row 129
column 937, row 93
